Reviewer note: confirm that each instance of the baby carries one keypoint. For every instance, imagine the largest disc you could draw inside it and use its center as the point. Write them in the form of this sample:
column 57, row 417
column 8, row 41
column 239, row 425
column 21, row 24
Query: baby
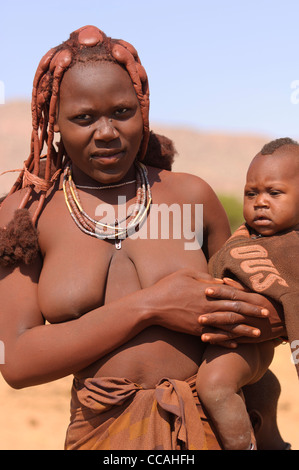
column 271, row 212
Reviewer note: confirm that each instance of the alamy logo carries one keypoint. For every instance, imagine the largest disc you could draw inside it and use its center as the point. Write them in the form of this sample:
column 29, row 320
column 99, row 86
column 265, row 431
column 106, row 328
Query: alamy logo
column 2, row 358
column 295, row 351
column 295, row 93
column 2, row 92
column 166, row 221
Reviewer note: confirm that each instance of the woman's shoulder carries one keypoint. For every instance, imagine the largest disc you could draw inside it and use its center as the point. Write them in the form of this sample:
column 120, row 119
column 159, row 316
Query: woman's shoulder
column 9, row 205
column 185, row 185
column 18, row 236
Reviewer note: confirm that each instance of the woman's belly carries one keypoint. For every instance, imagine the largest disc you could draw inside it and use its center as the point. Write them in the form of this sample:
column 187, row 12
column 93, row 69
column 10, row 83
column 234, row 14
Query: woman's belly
column 95, row 275
column 153, row 354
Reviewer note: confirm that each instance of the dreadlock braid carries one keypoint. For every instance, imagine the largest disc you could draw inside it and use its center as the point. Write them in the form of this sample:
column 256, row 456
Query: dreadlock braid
column 86, row 43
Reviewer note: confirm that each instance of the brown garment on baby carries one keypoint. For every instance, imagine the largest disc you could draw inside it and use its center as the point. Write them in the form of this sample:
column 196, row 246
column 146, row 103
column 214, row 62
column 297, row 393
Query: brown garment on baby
column 117, row 414
column 269, row 266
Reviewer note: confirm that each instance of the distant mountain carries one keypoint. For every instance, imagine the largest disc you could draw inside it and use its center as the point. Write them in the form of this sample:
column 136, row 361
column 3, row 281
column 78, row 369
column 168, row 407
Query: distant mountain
column 221, row 159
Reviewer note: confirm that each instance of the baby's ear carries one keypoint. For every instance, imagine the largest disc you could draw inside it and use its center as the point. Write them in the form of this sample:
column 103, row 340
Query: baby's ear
column 256, row 419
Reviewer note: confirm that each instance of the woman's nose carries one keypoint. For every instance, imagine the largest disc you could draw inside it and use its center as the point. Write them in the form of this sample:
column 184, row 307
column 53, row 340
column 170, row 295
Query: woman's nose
column 105, row 130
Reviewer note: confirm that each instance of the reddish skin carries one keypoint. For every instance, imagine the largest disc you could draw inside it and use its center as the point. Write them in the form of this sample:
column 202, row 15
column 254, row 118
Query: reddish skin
column 128, row 308
column 100, row 121
column 272, row 192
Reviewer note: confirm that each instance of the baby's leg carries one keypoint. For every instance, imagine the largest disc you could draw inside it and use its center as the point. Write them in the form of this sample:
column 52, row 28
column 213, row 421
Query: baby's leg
column 220, row 378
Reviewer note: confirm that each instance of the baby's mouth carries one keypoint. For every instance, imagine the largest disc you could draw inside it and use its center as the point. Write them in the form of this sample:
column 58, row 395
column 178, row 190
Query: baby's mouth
column 262, row 220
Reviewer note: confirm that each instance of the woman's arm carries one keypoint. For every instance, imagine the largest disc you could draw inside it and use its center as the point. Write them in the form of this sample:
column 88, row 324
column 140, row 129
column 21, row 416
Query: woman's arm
column 36, row 352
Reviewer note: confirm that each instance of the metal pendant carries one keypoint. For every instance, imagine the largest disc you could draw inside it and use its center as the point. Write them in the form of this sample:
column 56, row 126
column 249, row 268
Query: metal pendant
column 118, row 244
column 117, row 240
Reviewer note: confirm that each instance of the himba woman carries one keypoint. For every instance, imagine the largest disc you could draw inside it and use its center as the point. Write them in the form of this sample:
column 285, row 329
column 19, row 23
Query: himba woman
column 83, row 294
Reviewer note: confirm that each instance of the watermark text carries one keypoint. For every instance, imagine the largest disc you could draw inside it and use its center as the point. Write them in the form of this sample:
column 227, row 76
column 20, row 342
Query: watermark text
column 295, row 93
column 2, row 92
column 295, row 351
column 2, row 355
column 165, row 222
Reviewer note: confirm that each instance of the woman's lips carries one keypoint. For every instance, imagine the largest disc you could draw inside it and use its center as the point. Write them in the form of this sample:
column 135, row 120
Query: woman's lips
column 107, row 158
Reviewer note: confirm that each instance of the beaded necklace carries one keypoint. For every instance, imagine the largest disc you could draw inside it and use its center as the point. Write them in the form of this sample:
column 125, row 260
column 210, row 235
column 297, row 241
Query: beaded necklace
column 112, row 186
column 98, row 229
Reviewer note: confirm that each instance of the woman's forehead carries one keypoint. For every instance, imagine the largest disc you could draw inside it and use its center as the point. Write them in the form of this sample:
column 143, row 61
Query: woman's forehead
column 96, row 76
column 98, row 71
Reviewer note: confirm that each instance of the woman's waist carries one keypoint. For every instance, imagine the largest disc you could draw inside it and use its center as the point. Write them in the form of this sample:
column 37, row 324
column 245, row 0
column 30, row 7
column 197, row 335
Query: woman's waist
column 150, row 356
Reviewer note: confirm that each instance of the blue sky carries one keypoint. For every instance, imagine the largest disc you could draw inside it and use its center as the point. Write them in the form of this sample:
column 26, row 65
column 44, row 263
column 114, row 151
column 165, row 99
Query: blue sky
column 224, row 65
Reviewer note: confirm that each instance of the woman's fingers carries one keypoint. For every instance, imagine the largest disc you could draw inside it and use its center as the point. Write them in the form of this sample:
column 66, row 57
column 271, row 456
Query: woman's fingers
column 229, row 332
column 237, row 285
column 201, row 276
column 233, row 300
column 225, row 319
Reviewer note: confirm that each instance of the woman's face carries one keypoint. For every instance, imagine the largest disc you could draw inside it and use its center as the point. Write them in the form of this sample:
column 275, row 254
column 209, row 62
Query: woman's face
column 99, row 120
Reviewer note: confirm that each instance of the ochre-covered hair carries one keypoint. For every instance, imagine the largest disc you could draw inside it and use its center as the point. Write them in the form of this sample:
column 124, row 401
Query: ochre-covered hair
column 85, row 44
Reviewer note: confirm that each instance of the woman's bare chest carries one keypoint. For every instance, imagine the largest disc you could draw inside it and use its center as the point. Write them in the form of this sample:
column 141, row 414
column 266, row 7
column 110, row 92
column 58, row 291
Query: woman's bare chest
column 81, row 273
column 77, row 278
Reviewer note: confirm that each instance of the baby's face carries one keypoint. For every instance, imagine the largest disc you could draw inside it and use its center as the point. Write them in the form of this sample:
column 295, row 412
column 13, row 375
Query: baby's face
column 271, row 195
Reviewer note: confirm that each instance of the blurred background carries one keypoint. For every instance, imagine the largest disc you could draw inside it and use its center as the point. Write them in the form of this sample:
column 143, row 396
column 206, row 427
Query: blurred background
column 224, row 80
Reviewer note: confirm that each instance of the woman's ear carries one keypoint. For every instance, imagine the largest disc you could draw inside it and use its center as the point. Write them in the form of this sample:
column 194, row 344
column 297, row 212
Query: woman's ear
column 56, row 127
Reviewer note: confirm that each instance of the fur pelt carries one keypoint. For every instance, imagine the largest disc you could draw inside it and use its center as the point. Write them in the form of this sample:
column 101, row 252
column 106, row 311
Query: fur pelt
column 19, row 240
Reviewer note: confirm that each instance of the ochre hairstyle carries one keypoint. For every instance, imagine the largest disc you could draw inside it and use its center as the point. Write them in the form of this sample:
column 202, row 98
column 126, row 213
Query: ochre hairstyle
column 85, row 44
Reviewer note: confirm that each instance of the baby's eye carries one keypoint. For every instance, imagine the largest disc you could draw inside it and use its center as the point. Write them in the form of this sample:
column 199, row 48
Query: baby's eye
column 275, row 192
column 250, row 194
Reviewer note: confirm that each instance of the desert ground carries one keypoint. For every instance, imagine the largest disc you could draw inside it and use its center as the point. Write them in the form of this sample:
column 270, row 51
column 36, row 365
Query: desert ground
column 36, row 418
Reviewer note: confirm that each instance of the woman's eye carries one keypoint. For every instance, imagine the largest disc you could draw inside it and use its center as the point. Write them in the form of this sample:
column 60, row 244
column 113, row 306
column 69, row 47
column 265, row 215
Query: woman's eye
column 82, row 117
column 121, row 112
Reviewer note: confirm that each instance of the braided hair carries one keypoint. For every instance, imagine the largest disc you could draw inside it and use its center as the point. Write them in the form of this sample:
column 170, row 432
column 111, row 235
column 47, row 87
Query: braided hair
column 41, row 171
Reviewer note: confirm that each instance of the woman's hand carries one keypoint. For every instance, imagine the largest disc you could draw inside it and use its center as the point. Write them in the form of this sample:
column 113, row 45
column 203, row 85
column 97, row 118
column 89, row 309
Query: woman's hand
column 184, row 295
column 232, row 327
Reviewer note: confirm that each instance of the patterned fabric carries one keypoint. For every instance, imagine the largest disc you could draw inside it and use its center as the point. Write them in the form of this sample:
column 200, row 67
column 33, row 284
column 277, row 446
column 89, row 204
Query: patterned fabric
column 269, row 266
column 117, row 414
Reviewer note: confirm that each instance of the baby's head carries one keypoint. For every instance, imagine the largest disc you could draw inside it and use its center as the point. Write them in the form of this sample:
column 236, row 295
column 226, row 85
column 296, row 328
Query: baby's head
column 271, row 194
